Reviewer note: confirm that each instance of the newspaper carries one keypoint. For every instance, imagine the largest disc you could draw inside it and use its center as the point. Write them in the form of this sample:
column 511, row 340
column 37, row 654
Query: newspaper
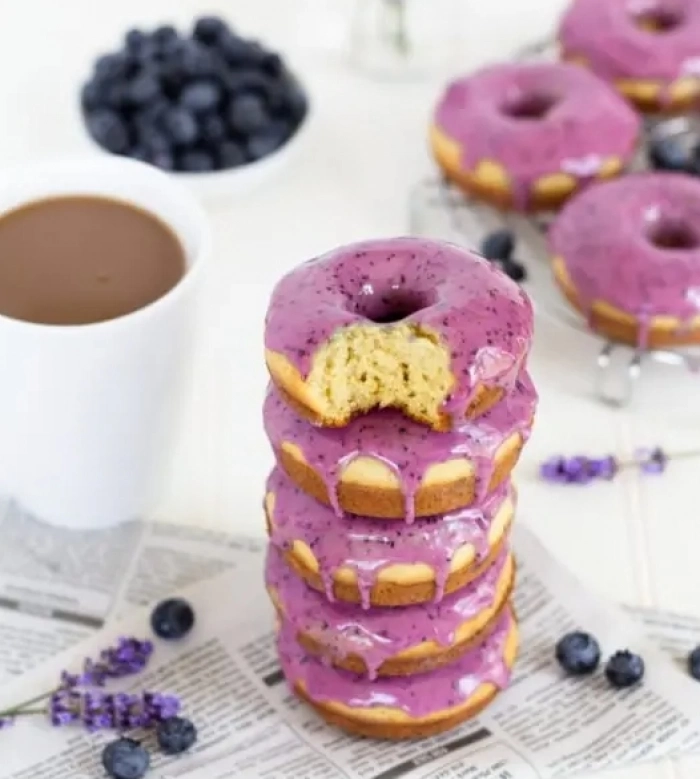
column 59, row 586
column 250, row 725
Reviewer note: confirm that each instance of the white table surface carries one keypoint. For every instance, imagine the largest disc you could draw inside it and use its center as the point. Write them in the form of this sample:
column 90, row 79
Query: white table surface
column 632, row 539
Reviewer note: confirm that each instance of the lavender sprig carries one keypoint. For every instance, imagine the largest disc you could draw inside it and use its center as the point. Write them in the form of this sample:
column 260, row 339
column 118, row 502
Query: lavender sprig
column 128, row 657
column 96, row 710
column 580, row 469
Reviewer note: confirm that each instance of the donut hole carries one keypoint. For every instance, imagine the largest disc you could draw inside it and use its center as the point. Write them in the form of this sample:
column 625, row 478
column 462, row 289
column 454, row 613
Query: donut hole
column 530, row 105
column 673, row 235
column 394, row 306
column 659, row 20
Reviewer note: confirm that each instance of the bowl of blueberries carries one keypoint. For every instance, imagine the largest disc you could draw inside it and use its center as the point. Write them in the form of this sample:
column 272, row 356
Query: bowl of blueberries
column 217, row 110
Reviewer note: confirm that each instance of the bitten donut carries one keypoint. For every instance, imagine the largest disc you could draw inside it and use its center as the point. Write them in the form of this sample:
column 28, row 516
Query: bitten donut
column 357, row 560
column 389, row 641
column 418, row 325
column 386, row 466
column 627, row 255
column 403, row 706
column 650, row 51
column 527, row 136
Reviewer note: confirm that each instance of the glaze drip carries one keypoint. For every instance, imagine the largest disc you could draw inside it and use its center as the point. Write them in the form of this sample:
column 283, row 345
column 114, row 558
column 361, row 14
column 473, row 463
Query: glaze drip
column 481, row 316
column 634, row 243
column 378, row 634
column 585, row 122
column 407, row 448
column 367, row 546
column 417, row 696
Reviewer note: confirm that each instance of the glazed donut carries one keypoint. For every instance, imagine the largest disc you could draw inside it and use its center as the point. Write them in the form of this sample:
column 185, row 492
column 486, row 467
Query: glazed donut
column 386, row 641
column 403, row 707
column 527, row 136
column 627, row 255
column 386, row 466
column 357, row 560
column 651, row 55
column 408, row 323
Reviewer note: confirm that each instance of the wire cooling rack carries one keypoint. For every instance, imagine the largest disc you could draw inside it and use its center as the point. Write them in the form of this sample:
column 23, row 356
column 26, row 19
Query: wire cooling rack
column 437, row 208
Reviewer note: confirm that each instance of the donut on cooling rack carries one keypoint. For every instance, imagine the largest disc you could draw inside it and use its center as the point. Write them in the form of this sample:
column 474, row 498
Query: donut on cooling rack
column 649, row 50
column 627, row 255
column 526, row 136
column 412, row 324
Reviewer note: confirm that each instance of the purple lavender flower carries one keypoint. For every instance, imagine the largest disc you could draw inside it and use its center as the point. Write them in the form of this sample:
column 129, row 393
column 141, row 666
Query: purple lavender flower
column 651, row 460
column 128, row 657
column 6, row 722
column 96, row 710
column 578, row 470
column 582, row 470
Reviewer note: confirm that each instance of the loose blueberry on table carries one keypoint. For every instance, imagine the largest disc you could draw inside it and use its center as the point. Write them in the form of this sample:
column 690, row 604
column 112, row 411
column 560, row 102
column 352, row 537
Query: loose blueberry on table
column 193, row 103
column 578, row 653
column 624, row 669
column 694, row 663
column 125, row 758
column 498, row 248
column 172, row 619
column 176, row 735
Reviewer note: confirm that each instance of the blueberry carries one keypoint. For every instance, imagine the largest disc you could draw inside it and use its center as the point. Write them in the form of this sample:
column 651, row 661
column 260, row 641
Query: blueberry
column 514, row 270
column 624, row 669
column 92, row 95
column 239, row 52
column 295, row 102
column 195, row 60
column 140, row 152
column 667, row 154
column 578, row 653
column 201, row 96
column 176, row 735
column 694, row 663
column 268, row 140
column 143, row 89
column 172, row 618
column 154, row 140
column 195, row 161
column 164, row 35
column 212, row 129
column 109, row 130
column 498, row 245
column 247, row 114
column 272, row 64
column 163, row 160
column 125, row 758
column 209, row 29
column 230, row 155
column 180, row 125
column 111, row 66
column 239, row 82
column 134, row 40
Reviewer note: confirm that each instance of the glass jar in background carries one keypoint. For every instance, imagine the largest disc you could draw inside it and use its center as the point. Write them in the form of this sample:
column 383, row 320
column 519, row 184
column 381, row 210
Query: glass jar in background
column 406, row 38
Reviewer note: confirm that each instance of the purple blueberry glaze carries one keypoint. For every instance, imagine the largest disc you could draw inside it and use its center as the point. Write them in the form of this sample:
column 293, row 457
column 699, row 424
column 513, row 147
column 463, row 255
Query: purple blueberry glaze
column 535, row 120
column 481, row 316
column 635, row 243
column 417, row 696
column 367, row 546
column 377, row 634
column 608, row 35
column 406, row 447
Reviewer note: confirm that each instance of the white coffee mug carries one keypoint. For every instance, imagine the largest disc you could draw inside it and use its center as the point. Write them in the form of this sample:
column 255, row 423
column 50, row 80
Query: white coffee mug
column 86, row 410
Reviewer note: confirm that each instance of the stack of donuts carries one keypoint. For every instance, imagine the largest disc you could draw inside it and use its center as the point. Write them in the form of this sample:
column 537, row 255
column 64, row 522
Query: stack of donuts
column 541, row 135
column 398, row 407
